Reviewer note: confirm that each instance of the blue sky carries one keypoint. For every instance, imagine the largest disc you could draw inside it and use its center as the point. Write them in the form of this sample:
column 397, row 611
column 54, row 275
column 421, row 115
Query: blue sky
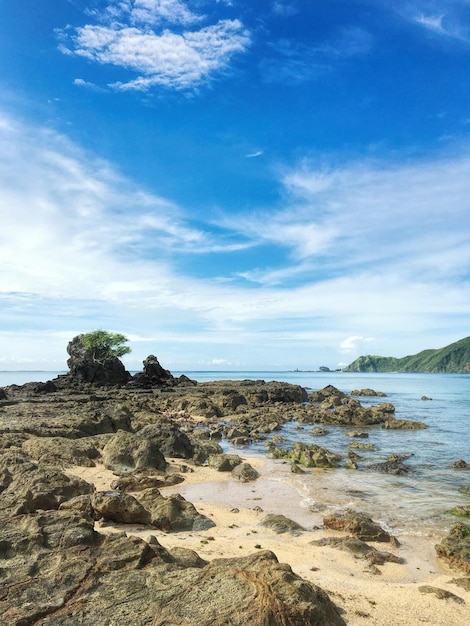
column 234, row 184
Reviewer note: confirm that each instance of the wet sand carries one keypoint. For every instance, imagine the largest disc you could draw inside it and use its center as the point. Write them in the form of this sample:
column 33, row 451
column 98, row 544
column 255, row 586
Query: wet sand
column 388, row 598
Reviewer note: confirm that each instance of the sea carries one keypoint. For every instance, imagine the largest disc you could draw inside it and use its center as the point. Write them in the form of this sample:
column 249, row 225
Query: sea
column 414, row 504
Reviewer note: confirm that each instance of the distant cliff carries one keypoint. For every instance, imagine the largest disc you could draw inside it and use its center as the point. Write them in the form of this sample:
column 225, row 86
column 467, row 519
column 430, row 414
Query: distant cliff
column 453, row 359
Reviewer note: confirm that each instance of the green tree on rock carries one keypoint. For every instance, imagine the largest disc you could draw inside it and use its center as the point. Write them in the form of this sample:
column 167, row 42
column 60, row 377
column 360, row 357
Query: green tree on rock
column 102, row 345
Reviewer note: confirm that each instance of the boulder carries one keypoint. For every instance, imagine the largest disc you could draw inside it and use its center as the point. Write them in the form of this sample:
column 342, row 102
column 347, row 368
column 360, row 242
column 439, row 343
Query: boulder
column 461, row 464
column 173, row 513
column 224, row 462
column 127, row 452
column 281, row 524
column 245, row 473
column 358, row 524
column 368, row 392
column 255, row 590
column 121, row 507
column 359, row 548
column 397, row 468
column 169, row 439
column 155, row 372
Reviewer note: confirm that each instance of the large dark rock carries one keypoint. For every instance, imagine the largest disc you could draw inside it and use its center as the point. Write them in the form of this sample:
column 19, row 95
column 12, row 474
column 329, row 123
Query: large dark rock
column 84, row 367
column 224, row 462
column 172, row 513
column 255, row 590
column 119, row 507
column 127, row 452
column 169, row 438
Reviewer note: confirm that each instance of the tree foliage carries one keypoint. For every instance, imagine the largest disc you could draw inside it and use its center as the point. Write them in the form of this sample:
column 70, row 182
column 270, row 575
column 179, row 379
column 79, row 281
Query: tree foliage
column 102, row 344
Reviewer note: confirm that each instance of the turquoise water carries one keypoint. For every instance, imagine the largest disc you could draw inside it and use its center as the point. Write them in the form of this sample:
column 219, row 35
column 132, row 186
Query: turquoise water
column 412, row 504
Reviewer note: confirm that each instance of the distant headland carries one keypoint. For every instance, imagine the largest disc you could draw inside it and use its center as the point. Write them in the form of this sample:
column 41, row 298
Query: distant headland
column 453, row 359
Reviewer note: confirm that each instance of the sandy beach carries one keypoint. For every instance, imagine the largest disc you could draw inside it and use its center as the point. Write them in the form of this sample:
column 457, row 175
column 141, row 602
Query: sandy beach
column 388, row 596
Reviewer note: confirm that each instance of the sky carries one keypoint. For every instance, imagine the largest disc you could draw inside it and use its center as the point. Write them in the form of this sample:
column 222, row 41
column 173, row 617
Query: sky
column 234, row 184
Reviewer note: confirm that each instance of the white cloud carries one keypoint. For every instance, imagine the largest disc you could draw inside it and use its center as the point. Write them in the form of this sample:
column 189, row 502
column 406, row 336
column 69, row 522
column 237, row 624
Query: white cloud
column 168, row 57
column 352, row 343
column 432, row 22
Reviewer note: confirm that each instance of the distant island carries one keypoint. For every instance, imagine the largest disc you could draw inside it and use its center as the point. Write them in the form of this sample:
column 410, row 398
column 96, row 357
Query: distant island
column 453, row 359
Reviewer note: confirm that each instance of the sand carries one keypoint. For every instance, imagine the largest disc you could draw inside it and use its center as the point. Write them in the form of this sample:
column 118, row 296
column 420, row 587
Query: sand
column 388, row 598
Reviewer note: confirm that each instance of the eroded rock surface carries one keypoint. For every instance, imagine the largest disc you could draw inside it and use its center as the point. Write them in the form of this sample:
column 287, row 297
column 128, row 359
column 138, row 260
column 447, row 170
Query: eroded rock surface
column 58, row 570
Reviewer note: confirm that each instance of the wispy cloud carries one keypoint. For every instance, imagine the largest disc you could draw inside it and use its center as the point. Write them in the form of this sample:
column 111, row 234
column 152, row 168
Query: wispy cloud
column 296, row 62
column 145, row 38
column 370, row 246
column 448, row 19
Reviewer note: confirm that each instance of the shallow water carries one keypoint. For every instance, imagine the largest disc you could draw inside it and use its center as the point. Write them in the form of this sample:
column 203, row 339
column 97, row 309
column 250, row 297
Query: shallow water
column 414, row 504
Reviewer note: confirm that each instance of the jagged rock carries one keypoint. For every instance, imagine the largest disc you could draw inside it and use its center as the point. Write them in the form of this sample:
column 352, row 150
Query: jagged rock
column 139, row 481
column 169, row 438
column 395, row 424
column 127, row 452
column 33, row 487
column 368, row 392
column 358, row 434
column 85, row 368
column 81, row 504
column 455, row 548
column 391, row 467
column 119, row 507
column 358, row 524
column 173, row 513
column 155, row 372
column 224, row 462
column 57, row 570
column 245, row 473
column 358, row 547
column 255, row 590
column 461, row 464
column 203, row 450
column 325, row 393
column 62, row 450
column 281, row 524
column 307, row 455
column 460, row 511
column 359, row 445
column 318, row 431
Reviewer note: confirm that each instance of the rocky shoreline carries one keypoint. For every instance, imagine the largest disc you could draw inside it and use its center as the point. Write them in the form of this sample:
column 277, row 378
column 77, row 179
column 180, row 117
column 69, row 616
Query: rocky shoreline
column 149, row 433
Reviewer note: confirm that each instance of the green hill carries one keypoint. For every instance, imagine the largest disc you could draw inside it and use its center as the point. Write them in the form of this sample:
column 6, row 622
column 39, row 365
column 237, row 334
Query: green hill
column 453, row 359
